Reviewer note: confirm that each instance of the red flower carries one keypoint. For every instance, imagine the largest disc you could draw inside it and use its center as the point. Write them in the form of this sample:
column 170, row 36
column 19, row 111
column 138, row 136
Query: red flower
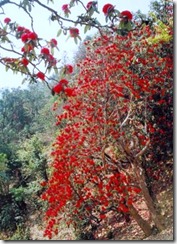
column 53, row 42
column 40, row 75
column 43, row 183
column 65, row 8
column 69, row 91
column 102, row 216
column 52, row 61
column 10, row 60
column 28, row 36
column 126, row 14
column 25, row 61
column 27, row 48
column 74, row 32
column 58, row 88
column 32, row 36
column 45, row 51
column 123, row 208
column 89, row 5
column 64, row 82
column 68, row 69
column 24, row 37
column 107, row 8
column 20, row 29
column 7, row 20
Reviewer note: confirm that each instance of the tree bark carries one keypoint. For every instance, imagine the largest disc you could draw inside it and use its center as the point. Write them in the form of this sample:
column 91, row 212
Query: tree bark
column 144, row 225
column 157, row 219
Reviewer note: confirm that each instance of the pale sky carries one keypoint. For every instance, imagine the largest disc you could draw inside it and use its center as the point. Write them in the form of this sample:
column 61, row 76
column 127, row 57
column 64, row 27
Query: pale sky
column 48, row 30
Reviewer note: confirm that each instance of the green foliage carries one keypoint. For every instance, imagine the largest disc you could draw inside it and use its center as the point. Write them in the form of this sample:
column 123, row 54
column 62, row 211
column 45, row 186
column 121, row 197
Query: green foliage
column 162, row 30
column 26, row 128
column 21, row 233
column 4, row 186
column 11, row 213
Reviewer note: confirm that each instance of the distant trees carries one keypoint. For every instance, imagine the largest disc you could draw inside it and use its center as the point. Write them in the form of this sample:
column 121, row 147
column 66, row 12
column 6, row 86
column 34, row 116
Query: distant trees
column 26, row 128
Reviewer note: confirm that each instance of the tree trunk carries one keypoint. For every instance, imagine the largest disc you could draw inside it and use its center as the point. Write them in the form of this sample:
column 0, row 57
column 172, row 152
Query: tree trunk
column 149, row 202
column 144, row 225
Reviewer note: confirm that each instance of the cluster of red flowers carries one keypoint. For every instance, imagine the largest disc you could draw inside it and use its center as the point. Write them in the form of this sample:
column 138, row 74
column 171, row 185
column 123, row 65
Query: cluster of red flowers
column 108, row 8
column 24, row 61
column 28, row 37
column 60, row 86
column 126, row 14
column 89, row 4
column 65, row 8
column 45, row 53
column 68, row 69
column 40, row 75
column 7, row 20
column 74, row 32
column 53, row 42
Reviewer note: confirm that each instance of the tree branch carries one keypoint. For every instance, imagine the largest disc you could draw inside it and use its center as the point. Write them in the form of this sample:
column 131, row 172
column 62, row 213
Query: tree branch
column 2, row 3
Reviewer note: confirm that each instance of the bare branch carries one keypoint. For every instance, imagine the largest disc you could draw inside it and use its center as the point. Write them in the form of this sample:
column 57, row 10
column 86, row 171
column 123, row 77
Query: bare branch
column 143, row 150
column 2, row 3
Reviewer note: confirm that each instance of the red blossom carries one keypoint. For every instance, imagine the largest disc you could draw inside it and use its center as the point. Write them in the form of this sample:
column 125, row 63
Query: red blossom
column 127, row 14
column 45, row 51
column 7, row 20
column 43, row 183
column 68, row 69
column 57, row 88
column 53, row 42
column 65, row 8
column 64, row 82
column 25, row 61
column 32, row 36
column 40, row 75
column 74, row 32
column 24, row 37
column 102, row 216
column 27, row 48
column 89, row 4
column 29, row 36
column 20, row 29
column 69, row 91
column 107, row 8
column 10, row 60
column 52, row 61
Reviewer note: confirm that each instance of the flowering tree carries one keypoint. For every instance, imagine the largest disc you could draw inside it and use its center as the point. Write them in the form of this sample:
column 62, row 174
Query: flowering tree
column 110, row 102
column 36, row 58
column 108, row 126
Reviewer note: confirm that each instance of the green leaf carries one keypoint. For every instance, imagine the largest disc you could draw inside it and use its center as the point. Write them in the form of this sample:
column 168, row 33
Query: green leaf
column 7, row 68
column 23, row 81
column 85, row 29
column 29, row 7
column 67, row 38
column 52, row 51
column 59, row 32
column 75, row 40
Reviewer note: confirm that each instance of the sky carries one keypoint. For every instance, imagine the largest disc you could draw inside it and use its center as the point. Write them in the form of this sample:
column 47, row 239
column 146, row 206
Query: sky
column 48, row 29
